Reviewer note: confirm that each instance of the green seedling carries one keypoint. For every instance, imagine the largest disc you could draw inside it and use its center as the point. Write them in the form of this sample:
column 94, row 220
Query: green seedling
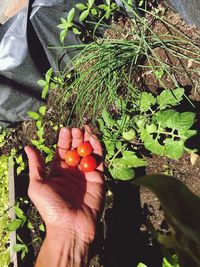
column 21, row 247
column 86, row 10
column 68, row 24
column 109, row 7
column 47, row 83
column 40, row 143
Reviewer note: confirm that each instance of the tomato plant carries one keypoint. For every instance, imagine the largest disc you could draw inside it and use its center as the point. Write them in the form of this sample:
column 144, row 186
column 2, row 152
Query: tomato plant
column 72, row 158
column 85, row 149
column 88, row 164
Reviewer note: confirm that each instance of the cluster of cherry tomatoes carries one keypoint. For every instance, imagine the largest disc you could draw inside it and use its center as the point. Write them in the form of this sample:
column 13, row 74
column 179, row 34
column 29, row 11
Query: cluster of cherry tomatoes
column 82, row 155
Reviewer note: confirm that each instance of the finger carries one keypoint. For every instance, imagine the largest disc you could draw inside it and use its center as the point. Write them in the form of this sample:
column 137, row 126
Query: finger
column 64, row 144
column 92, row 138
column 77, row 137
column 37, row 171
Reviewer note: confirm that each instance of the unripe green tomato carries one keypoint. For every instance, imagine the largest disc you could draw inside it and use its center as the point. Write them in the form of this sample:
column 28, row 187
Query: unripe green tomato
column 130, row 135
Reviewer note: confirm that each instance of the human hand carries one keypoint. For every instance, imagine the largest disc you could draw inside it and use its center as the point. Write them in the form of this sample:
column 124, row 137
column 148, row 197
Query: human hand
column 68, row 199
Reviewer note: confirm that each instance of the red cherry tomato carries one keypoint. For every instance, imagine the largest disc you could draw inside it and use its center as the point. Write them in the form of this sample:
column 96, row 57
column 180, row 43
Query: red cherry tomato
column 72, row 158
column 85, row 149
column 88, row 164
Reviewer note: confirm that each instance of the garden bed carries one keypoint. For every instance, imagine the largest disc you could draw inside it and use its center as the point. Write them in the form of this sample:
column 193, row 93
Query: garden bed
column 124, row 236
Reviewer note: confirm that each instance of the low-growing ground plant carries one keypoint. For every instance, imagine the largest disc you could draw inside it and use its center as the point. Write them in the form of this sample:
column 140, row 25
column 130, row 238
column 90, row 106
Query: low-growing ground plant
column 4, row 219
column 149, row 122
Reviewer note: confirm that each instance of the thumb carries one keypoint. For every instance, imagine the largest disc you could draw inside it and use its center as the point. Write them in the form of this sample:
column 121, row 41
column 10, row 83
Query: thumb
column 37, row 171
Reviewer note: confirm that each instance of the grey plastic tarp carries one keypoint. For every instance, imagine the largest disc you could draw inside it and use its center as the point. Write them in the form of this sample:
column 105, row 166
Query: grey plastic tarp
column 25, row 56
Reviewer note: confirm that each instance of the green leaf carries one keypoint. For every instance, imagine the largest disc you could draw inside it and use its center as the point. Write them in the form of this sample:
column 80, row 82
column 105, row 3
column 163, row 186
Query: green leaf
column 166, row 117
column 132, row 161
column 18, row 247
column 154, row 146
column 84, row 15
column 42, row 83
column 107, row 119
column 45, row 91
column 94, row 11
column 41, row 227
column 146, row 101
column 118, row 171
column 186, row 120
column 170, row 98
column 63, row 35
column 14, row 225
column 48, row 75
column 30, row 226
column 152, row 128
column 76, row 31
column 42, row 110
column 174, row 149
column 91, row 3
column 19, row 212
column 108, row 2
column 110, row 147
column 70, row 15
column 39, row 124
column 81, row 6
column 159, row 73
column 141, row 265
column 33, row 115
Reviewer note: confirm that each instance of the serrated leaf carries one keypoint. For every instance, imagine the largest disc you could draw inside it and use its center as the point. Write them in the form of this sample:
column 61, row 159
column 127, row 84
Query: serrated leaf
column 14, row 225
column 110, row 147
column 146, row 101
column 154, row 146
column 170, row 98
column 186, row 120
column 42, row 83
column 33, row 115
column 152, row 128
column 144, row 135
column 84, row 15
column 42, row 110
column 81, row 6
column 132, row 161
column 174, row 149
column 70, row 15
column 76, row 31
column 107, row 119
column 122, row 173
column 162, row 117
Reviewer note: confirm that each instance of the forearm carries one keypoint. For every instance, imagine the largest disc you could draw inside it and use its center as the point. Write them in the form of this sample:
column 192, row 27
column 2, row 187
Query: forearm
column 60, row 250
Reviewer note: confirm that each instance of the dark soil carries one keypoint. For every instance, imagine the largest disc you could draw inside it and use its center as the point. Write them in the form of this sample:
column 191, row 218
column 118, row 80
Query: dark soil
column 123, row 238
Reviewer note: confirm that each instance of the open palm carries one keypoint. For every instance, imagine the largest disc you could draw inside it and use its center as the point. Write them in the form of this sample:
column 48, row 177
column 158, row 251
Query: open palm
column 67, row 198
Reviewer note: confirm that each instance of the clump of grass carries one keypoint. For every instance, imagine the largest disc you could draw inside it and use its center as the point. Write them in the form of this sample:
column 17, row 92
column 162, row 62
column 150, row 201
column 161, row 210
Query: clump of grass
column 106, row 69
